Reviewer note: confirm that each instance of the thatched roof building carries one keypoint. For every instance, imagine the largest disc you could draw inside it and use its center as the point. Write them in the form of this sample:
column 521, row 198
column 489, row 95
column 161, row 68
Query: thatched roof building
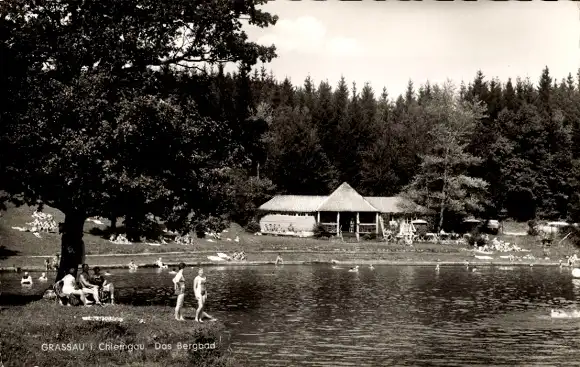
column 343, row 199
column 344, row 208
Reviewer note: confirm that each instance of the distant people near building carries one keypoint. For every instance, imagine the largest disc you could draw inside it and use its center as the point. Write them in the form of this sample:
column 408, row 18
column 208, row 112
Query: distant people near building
column 47, row 264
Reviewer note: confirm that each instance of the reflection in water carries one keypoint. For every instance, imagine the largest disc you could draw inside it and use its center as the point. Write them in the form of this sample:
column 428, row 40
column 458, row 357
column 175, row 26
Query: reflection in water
column 393, row 315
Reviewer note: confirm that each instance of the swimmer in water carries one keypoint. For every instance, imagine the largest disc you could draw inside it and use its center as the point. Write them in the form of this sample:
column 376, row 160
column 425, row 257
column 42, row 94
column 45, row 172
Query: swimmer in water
column 201, row 295
column 353, row 270
column 26, row 279
column 43, row 277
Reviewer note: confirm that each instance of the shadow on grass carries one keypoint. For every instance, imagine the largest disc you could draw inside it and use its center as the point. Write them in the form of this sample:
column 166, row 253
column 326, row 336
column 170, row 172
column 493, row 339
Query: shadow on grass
column 6, row 253
column 11, row 299
column 105, row 233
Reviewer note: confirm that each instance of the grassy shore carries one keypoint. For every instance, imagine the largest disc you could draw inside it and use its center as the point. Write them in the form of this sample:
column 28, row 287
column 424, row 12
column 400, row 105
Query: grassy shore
column 24, row 250
column 27, row 332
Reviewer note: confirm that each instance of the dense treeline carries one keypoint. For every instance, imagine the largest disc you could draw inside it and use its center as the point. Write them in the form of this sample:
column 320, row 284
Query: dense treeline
column 306, row 139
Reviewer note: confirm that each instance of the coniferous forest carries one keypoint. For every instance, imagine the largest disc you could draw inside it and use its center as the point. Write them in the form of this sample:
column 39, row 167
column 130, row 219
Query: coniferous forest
column 512, row 145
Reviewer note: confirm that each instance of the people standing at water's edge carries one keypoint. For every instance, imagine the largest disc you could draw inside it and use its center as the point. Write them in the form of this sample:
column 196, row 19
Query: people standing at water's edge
column 132, row 265
column 160, row 264
column 279, row 260
column 199, row 289
column 47, row 264
column 179, row 284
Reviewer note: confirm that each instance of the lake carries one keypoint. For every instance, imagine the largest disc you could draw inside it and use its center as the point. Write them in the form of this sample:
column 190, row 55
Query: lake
column 314, row 315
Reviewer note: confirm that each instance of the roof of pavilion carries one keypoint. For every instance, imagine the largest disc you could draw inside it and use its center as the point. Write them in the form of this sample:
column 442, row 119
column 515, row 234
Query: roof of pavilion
column 343, row 199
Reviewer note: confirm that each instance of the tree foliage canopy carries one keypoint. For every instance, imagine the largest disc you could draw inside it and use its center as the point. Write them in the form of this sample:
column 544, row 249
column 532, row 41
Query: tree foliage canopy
column 95, row 121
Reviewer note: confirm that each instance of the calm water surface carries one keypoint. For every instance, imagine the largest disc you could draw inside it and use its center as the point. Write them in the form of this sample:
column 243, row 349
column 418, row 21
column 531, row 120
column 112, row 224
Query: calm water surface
column 394, row 315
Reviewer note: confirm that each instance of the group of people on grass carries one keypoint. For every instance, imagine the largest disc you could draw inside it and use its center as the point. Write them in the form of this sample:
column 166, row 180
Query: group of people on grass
column 98, row 288
column 95, row 286
column 199, row 291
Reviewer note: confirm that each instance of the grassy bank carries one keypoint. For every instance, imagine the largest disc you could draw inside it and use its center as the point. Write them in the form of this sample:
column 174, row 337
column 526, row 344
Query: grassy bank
column 17, row 247
column 25, row 340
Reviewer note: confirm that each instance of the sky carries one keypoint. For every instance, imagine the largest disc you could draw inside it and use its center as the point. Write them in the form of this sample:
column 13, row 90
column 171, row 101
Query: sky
column 387, row 43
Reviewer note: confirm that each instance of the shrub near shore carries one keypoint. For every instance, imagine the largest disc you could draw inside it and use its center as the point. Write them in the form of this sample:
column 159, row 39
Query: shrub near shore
column 27, row 332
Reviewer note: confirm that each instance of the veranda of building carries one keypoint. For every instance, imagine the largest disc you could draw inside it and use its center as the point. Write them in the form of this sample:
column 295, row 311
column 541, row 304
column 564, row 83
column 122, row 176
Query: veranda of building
column 343, row 212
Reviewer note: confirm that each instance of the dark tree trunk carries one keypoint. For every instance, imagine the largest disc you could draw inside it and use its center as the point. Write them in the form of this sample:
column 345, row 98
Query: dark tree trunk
column 113, row 220
column 72, row 245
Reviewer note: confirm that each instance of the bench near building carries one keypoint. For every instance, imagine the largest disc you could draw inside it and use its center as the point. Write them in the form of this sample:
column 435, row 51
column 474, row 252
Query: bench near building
column 344, row 212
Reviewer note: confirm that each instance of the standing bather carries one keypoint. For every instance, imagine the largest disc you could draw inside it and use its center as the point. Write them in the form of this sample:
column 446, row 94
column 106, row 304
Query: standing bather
column 179, row 283
column 201, row 296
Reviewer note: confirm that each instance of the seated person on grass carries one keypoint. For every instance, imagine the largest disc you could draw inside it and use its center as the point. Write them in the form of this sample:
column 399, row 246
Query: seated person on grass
column 106, row 288
column 88, row 286
column 67, row 287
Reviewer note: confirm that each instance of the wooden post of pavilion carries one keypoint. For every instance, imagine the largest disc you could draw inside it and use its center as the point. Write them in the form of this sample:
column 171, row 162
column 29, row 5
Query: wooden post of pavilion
column 377, row 224
column 317, row 217
column 337, row 224
column 356, row 226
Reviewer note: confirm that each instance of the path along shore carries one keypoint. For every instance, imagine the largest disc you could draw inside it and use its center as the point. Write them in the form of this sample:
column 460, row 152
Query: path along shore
column 351, row 262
